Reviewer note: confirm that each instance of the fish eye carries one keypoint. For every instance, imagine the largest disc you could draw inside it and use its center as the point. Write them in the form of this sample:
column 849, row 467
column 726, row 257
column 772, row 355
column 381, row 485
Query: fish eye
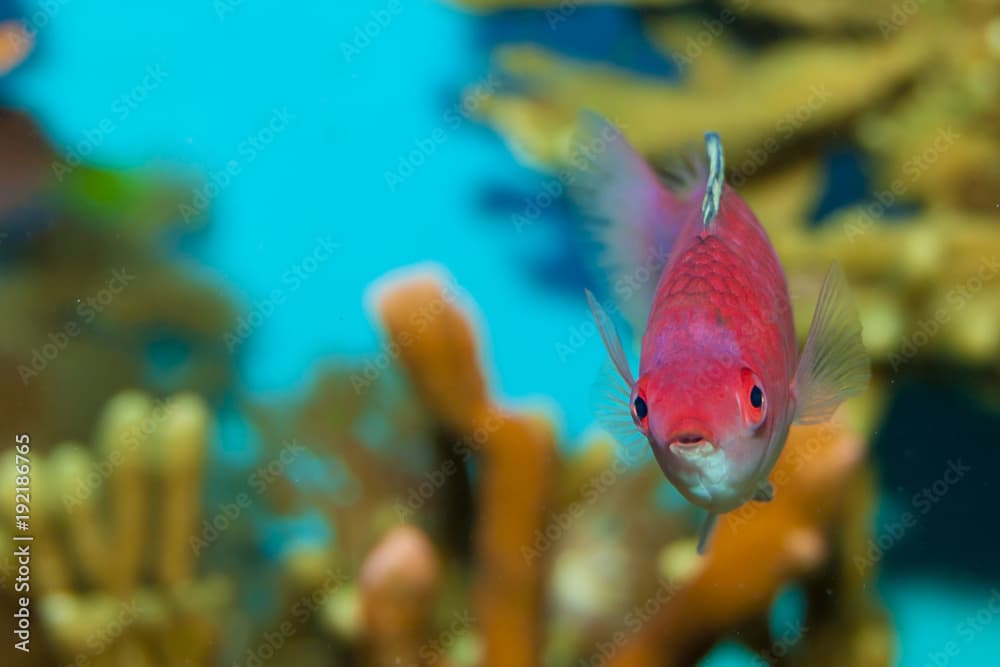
column 640, row 408
column 753, row 402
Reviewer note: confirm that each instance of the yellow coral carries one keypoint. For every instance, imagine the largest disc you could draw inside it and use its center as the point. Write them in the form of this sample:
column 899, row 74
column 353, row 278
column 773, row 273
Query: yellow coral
column 119, row 586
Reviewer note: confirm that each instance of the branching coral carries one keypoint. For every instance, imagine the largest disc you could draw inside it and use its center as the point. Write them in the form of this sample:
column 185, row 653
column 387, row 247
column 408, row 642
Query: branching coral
column 913, row 86
column 550, row 533
column 115, row 579
column 98, row 301
column 763, row 547
column 439, row 352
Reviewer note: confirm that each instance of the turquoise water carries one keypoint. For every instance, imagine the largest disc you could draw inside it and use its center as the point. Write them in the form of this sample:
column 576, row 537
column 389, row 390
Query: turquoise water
column 350, row 116
column 350, row 158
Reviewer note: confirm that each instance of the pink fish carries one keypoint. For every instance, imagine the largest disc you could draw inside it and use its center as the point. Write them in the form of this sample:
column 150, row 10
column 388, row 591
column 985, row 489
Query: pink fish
column 720, row 377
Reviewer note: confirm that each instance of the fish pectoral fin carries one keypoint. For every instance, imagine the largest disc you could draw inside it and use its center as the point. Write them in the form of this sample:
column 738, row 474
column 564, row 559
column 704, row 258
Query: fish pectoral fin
column 834, row 364
column 611, row 403
column 765, row 492
column 611, row 340
column 707, row 530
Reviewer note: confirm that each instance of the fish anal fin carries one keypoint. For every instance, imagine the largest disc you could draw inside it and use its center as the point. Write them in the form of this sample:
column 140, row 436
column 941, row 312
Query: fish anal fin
column 706, row 532
column 764, row 493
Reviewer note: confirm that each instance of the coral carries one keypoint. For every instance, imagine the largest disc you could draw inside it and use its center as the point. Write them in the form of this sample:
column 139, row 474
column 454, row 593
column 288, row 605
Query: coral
column 121, row 585
column 91, row 324
column 798, row 537
column 15, row 44
column 550, row 530
column 438, row 350
column 459, row 530
column 913, row 88
column 787, row 93
column 399, row 582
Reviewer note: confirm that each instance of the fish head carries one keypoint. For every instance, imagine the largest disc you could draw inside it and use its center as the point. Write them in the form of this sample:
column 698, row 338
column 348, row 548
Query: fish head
column 709, row 427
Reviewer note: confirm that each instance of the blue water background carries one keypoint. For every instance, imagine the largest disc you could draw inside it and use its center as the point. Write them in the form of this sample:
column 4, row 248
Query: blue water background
column 226, row 70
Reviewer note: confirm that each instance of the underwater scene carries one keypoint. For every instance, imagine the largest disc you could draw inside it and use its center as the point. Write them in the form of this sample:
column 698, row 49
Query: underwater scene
column 500, row 333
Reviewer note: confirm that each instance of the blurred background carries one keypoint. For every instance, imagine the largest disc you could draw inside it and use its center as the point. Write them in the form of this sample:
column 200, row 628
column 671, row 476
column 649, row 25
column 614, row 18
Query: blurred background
column 293, row 320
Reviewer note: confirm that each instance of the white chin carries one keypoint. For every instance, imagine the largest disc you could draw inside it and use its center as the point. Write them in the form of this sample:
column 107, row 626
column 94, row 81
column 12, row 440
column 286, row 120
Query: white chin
column 705, row 472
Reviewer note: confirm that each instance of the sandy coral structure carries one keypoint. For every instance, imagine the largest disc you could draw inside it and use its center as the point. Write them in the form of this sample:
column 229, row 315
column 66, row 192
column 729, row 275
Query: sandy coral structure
column 516, row 451
column 547, row 579
column 460, row 532
column 121, row 315
column 399, row 582
column 801, row 537
column 115, row 580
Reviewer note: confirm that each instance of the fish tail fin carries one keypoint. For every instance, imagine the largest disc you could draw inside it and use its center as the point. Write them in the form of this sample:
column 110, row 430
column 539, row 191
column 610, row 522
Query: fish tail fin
column 633, row 215
column 834, row 364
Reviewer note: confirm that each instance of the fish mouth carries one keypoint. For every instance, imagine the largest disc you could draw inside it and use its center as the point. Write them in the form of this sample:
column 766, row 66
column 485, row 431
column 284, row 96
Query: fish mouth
column 701, row 448
column 688, row 442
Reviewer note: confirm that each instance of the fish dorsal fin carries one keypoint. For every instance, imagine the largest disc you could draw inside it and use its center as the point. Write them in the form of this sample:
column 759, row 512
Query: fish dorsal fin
column 716, row 179
column 632, row 216
column 834, row 364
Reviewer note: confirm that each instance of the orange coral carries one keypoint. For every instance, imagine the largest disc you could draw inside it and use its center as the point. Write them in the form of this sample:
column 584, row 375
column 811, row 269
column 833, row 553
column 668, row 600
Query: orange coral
column 756, row 551
column 437, row 348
